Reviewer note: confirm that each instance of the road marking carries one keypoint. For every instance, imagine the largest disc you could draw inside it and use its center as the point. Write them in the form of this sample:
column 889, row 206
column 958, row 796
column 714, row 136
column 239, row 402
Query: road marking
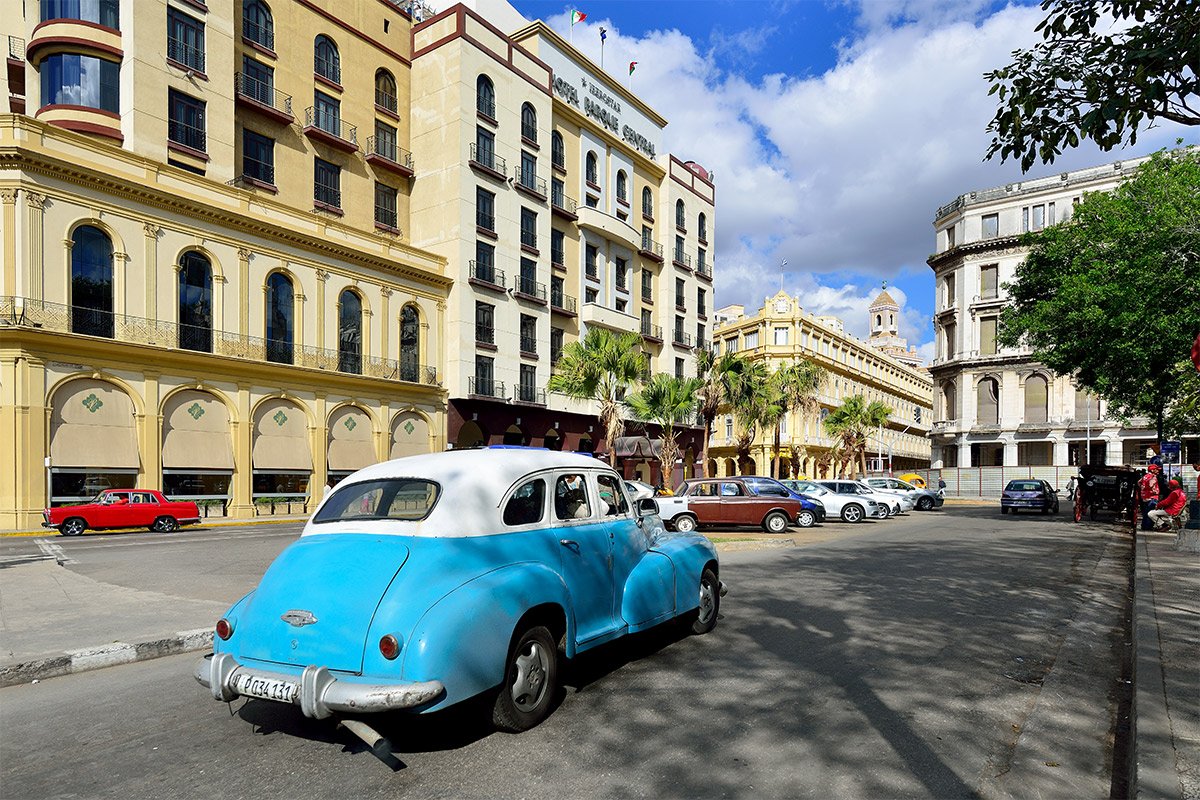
column 55, row 551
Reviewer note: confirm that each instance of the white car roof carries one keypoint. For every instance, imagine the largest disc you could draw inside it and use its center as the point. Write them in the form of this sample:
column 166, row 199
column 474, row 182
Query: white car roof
column 473, row 484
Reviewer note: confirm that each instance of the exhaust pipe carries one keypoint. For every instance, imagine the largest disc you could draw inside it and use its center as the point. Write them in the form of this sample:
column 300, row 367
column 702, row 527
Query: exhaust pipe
column 375, row 740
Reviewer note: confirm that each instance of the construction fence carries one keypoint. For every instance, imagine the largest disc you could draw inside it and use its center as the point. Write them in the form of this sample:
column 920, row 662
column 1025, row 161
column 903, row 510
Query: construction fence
column 990, row 481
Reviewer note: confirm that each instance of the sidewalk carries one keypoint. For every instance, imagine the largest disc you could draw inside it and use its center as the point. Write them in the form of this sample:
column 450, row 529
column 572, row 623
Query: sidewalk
column 207, row 522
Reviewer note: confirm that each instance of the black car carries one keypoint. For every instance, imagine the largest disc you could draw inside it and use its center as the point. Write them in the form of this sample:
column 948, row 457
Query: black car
column 1029, row 493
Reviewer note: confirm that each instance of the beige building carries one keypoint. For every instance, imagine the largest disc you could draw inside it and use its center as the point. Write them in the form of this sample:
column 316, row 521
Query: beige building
column 995, row 406
column 781, row 332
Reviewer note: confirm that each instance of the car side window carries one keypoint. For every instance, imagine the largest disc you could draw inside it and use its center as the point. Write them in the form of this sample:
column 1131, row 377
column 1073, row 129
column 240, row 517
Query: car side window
column 731, row 490
column 704, row 490
column 527, row 504
column 612, row 499
column 770, row 490
column 570, row 498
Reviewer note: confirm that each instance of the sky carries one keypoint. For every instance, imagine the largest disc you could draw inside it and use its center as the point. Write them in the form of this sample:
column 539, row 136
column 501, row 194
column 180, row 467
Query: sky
column 835, row 129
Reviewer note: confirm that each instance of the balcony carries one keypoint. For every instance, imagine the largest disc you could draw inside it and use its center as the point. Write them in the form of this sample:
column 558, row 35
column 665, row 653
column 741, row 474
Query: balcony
column 527, row 182
column 187, row 136
column 681, row 260
column 186, row 56
column 652, row 332
column 485, row 387
column 485, row 334
column 258, row 173
column 529, row 394
column 386, row 155
column 704, row 270
column 681, row 339
column 528, row 345
column 525, row 288
column 561, row 303
column 611, row 228
column 562, row 205
column 328, row 128
column 386, row 101
column 648, row 248
column 486, row 161
column 487, row 276
column 703, row 344
column 36, row 315
column 252, row 93
column 261, row 35
column 529, row 240
column 558, row 259
column 605, row 317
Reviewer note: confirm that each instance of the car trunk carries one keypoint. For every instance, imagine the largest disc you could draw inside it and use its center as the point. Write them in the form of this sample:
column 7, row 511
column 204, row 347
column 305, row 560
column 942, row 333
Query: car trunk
column 339, row 579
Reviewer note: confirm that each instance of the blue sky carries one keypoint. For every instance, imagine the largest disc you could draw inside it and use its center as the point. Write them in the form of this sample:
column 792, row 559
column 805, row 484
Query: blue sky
column 835, row 129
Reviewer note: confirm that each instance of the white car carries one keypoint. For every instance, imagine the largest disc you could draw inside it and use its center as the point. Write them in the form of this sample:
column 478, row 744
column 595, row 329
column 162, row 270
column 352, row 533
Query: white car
column 907, row 501
column 848, row 508
column 889, row 505
column 639, row 490
column 923, row 499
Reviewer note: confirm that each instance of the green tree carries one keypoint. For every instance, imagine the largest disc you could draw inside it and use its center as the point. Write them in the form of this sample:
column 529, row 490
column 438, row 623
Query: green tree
column 601, row 367
column 1112, row 297
column 668, row 401
column 793, row 386
column 1084, row 82
column 718, row 375
column 752, row 406
column 850, row 422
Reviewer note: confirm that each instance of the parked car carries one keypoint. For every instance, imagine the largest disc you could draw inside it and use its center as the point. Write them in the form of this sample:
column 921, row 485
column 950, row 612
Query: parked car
column 763, row 485
column 848, row 508
column 923, row 499
column 915, row 479
column 424, row 581
column 639, row 490
column 888, row 505
column 906, row 501
column 1030, row 493
column 122, row 508
column 731, row 501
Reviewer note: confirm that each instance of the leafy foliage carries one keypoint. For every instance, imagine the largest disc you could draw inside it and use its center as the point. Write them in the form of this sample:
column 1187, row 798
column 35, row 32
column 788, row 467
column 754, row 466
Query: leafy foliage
column 1112, row 297
column 669, row 401
column 849, row 423
column 719, row 375
column 1092, row 79
column 793, row 386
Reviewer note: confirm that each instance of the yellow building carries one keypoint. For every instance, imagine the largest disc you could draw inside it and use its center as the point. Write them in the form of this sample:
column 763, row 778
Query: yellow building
column 780, row 333
column 205, row 281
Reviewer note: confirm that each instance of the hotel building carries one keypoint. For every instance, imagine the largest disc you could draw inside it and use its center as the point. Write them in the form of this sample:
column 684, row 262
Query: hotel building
column 781, row 332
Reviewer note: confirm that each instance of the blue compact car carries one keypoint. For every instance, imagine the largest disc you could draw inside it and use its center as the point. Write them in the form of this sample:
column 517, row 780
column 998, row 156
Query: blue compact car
column 763, row 485
column 428, row 580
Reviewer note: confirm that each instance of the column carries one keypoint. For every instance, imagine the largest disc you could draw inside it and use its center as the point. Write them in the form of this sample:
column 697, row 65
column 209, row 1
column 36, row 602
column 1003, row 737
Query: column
column 441, row 344
column 385, row 321
column 1115, row 449
column 1060, row 452
column 241, row 502
column 964, row 453
column 150, row 433
column 244, row 294
column 322, row 279
column 1010, row 453
column 320, row 449
column 152, row 232
column 8, row 200
column 298, row 314
column 383, row 444
column 35, row 252
column 120, row 283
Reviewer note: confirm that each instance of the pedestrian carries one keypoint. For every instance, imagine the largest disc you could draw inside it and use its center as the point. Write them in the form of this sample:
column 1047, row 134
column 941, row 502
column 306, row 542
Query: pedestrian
column 1169, row 506
column 1071, row 486
column 1148, row 494
column 941, row 487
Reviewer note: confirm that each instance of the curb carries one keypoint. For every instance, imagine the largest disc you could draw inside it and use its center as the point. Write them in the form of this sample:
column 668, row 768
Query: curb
column 108, row 655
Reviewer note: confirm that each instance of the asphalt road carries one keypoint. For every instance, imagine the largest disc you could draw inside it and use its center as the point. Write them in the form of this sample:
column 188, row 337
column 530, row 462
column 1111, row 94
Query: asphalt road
column 946, row 654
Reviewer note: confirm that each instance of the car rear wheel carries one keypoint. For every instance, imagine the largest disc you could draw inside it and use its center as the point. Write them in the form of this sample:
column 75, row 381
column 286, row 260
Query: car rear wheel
column 710, row 603
column 925, row 504
column 530, row 680
column 165, row 525
column 806, row 518
column 685, row 523
column 73, row 527
column 1003, row 509
column 775, row 522
column 852, row 512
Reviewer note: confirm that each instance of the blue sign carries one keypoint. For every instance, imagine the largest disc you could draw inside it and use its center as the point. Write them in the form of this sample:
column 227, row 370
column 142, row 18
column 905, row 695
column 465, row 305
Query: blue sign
column 1170, row 452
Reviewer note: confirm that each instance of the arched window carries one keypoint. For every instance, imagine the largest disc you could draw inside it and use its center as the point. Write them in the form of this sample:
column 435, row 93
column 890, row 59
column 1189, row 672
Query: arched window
column 591, row 173
column 485, row 96
column 410, row 343
column 878, row 320
column 385, row 90
column 195, row 302
column 326, row 61
column 91, row 282
column 280, row 309
column 647, row 203
column 257, row 25
column 988, row 402
column 949, row 402
column 528, row 123
column 558, row 153
column 1036, row 396
column 622, row 186
column 680, row 215
column 702, row 224
column 349, row 333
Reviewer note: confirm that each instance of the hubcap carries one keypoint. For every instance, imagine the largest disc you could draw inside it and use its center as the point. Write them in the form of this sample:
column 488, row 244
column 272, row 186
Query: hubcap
column 806, row 519
column 852, row 514
column 530, row 684
column 707, row 602
column 776, row 524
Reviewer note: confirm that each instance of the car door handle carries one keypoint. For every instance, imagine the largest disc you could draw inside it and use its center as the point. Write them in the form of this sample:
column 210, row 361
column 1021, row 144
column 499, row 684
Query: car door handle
column 570, row 543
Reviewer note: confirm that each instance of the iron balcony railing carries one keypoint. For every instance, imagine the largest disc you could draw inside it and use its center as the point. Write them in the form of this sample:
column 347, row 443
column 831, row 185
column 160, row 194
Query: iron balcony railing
column 558, row 258
column 682, row 338
column 328, row 68
column 263, row 93
column 529, row 132
column 16, row 48
column 529, row 286
column 680, row 302
column 681, row 258
column 647, row 295
column 259, row 34
column 563, row 301
column 488, row 273
column 528, row 344
column 187, row 135
column 652, row 331
column 530, row 394
column 58, row 318
column 702, row 344
column 485, row 387
column 529, row 238
column 387, row 148
column 182, row 53
column 331, row 123
column 485, row 220
column 558, row 158
column 622, row 282
column 386, row 215
column 258, row 170
column 487, row 158
column 559, row 200
column 704, row 268
column 486, row 106
column 528, row 179
column 328, row 195
column 386, row 100
column 592, row 271
column 651, row 248
column 485, row 333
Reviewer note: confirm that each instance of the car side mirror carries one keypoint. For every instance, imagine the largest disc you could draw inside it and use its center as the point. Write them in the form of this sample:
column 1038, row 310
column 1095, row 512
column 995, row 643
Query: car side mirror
column 647, row 506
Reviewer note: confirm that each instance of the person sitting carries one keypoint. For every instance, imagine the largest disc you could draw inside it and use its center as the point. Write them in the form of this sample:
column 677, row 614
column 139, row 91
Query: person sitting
column 1169, row 507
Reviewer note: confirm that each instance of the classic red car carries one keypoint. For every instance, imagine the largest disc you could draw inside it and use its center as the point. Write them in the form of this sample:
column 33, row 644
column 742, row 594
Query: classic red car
column 122, row 508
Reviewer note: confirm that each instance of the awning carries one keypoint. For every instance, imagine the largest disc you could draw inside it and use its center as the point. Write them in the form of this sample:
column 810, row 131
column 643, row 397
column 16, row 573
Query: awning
column 281, row 438
column 196, row 433
column 410, row 435
column 92, row 425
column 638, row 447
column 351, row 444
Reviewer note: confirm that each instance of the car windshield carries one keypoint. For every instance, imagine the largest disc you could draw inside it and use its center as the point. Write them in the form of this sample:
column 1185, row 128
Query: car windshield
column 1024, row 486
column 403, row 499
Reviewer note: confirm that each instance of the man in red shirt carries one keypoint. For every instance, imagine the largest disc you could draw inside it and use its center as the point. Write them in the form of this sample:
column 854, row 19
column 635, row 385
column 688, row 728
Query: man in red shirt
column 1170, row 506
column 1148, row 494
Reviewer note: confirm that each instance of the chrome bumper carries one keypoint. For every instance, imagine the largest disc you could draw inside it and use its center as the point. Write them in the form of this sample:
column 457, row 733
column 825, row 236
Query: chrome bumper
column 319, row 694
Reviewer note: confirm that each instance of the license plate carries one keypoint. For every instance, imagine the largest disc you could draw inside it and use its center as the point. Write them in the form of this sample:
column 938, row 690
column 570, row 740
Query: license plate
column 265, row 688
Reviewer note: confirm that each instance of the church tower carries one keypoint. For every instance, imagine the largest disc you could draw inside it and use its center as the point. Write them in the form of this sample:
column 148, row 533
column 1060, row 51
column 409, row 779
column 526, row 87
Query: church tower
column 884, row 325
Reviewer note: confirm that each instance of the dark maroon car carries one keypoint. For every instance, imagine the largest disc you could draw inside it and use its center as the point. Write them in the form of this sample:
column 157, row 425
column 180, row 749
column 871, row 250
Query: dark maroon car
column 731, row 501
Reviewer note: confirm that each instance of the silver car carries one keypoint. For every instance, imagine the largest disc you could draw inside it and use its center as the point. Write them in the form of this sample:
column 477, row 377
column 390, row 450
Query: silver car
column 889, row 504
column 849, row 508
column 923, row 499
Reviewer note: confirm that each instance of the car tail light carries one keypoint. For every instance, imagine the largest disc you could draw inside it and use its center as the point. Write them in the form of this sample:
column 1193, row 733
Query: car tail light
column 224, row 628
column 389, row 646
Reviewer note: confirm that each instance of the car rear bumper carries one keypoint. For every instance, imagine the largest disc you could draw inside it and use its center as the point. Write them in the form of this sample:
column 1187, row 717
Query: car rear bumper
column 54, row 525
column 317, row 691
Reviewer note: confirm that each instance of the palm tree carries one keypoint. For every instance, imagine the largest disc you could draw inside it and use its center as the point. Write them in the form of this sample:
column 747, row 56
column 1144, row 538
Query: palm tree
column 752, row 404
column 718, row 374
column 794, row 386
column 601, row 367
column 669, row 401
column 850, row 422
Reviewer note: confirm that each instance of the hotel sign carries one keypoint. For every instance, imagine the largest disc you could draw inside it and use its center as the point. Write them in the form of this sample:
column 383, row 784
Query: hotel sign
column 591, row 98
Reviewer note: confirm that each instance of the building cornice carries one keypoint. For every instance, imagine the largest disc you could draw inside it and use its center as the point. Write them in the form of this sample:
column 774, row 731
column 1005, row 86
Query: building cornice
column 999, row 246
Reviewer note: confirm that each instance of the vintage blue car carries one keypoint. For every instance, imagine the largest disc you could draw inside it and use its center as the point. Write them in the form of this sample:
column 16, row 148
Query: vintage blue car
column 427, row 580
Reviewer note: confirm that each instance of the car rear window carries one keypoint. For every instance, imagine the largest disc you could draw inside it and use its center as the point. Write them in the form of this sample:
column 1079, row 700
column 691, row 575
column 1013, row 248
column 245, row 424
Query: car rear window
column 1024, row 486
column 407, row 499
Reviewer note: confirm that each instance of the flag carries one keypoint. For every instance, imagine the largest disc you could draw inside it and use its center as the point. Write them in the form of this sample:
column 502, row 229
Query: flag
column 577, row 16
column 632, row 66
column 603, row 34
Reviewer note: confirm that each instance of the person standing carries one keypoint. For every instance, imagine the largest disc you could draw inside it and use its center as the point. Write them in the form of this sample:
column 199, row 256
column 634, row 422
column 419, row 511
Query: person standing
column 1148, row 494
column 1071, row 484
column 1170, row 506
